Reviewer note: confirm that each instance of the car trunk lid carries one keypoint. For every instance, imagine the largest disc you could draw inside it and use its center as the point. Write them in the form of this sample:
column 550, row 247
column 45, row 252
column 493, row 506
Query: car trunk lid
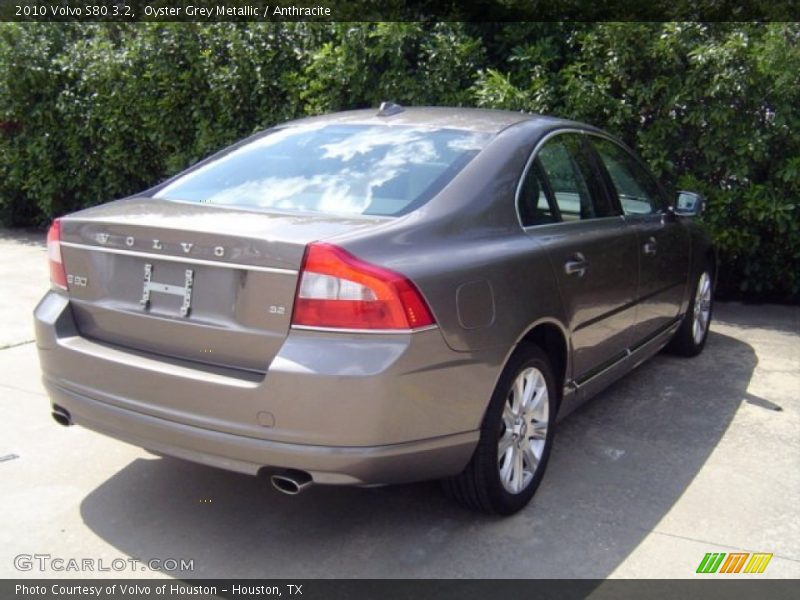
column 190, row 281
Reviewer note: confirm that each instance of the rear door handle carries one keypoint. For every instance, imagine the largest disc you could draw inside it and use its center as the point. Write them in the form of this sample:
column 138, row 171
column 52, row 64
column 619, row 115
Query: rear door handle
column 577, row 265
column 650, row 246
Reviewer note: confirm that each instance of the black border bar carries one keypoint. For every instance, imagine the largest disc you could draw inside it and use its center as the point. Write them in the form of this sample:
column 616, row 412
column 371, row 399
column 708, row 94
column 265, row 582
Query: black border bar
column 708, row 588
column 396, row 10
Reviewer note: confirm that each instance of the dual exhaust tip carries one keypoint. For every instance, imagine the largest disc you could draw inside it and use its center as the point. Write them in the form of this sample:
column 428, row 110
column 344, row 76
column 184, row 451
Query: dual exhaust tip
column 61, row 415
column 291, row 481
column 288, row 481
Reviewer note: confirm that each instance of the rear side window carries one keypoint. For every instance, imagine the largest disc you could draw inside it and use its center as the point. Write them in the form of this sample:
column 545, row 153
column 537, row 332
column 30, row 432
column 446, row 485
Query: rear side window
column 535, row 206
column 333, row 169
column 562, row 185
column 637, row 190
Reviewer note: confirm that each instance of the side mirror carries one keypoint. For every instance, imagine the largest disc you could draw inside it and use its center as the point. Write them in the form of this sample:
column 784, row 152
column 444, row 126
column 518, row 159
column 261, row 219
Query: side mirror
column 689, row 204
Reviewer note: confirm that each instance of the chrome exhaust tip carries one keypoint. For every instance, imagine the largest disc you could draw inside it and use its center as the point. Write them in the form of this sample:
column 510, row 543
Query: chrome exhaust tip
column 61, row 416
column 291, row 481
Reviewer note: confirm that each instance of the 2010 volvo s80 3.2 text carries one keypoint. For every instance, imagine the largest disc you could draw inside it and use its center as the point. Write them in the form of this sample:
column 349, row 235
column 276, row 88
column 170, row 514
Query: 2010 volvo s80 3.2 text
column 372, row 297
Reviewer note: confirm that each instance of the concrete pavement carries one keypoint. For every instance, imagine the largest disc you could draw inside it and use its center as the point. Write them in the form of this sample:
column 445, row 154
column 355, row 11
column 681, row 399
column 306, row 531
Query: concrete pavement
column 24, row 273
column 681, row 458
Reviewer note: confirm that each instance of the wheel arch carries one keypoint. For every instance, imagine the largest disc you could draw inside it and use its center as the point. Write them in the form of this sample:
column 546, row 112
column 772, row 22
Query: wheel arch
column 711, row 259
column 551, row 337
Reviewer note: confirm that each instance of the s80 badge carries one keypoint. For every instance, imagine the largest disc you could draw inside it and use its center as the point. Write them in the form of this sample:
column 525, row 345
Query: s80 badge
column 77, row 280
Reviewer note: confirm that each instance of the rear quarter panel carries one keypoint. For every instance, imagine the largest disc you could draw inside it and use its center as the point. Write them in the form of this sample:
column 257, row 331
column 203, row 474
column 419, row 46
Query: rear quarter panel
column 487, row 282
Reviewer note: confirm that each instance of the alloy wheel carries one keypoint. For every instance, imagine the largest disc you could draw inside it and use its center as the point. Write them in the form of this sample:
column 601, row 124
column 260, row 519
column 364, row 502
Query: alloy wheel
column 523, row 430
column 702, row 308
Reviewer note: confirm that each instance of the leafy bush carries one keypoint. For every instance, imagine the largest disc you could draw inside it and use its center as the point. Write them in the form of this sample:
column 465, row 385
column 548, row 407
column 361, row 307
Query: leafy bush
column 410, row 63
column 711, row 107
column 93, row 112
column 104, row 111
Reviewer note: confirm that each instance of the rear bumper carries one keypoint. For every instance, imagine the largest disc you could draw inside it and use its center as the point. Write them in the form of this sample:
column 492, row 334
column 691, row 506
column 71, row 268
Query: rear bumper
column 375, row 416
column 396, row 463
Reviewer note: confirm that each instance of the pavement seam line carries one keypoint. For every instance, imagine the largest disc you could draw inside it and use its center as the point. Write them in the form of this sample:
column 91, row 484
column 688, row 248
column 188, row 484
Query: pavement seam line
column 19, row 389
column 16, row 344
column 718, row 545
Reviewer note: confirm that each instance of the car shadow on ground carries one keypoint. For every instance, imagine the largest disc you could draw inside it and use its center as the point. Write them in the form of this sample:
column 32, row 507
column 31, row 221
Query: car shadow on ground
column 618, row 466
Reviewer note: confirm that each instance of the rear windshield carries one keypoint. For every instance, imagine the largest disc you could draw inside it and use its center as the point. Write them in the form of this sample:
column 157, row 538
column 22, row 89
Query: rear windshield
column 336, row 169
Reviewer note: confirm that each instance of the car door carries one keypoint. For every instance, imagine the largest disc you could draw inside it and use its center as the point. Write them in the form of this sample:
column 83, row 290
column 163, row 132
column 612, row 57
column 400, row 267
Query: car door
column 564, row 206
column 663, row 242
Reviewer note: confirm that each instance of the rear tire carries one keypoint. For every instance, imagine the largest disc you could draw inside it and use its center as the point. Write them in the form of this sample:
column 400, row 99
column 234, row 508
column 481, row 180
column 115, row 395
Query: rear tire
column 690, row 339
column 516, row 437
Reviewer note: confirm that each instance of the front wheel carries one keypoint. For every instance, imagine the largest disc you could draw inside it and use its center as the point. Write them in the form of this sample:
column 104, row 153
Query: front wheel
column 516, row 437
column 690, row 339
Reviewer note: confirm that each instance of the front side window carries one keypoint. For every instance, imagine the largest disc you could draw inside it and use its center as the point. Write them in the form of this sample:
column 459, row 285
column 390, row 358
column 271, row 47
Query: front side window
column 332, row 169
column 637, row 190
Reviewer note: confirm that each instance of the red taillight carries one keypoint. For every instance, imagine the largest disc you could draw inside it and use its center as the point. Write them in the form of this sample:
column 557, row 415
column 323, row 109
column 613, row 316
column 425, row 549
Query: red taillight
column 338, row 290
column 58, row 276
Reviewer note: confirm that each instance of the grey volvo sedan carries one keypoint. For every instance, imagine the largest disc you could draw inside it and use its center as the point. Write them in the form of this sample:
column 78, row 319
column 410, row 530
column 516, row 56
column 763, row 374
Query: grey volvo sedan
column 374, row 297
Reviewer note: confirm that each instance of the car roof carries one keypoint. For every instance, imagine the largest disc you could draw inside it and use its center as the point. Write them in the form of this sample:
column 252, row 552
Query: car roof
column 435, row 117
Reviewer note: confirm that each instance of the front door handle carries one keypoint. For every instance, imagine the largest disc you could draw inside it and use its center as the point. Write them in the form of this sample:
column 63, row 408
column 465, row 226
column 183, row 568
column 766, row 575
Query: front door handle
column 650, row 246
column 577, row 265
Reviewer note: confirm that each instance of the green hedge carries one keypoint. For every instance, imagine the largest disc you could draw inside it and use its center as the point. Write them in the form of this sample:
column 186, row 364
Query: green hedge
column 93, row 112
